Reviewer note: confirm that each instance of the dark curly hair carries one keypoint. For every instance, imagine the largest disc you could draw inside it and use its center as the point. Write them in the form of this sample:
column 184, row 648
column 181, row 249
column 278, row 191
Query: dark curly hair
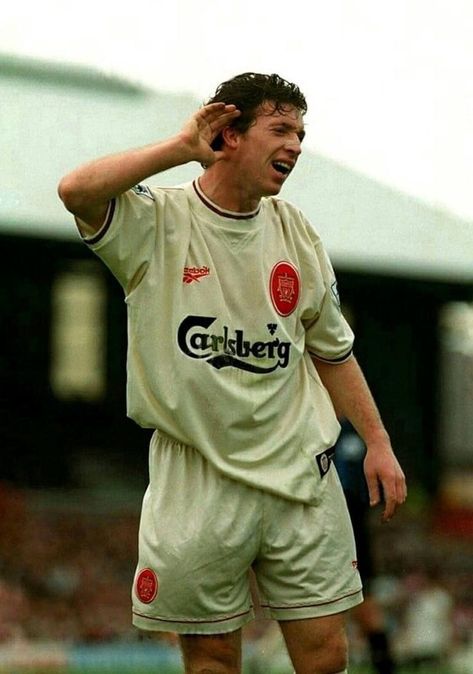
column 249, row 90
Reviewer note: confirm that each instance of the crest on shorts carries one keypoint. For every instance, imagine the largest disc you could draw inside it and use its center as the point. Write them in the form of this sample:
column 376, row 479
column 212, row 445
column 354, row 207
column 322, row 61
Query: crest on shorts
column 284, row 287
column 146, row 586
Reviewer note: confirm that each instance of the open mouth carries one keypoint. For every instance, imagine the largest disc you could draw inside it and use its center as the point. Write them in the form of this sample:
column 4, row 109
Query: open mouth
column 282, row 167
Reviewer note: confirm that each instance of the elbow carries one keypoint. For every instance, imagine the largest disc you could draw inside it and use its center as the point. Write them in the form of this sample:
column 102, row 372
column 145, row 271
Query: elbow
column 70, row 194
column 66, row 193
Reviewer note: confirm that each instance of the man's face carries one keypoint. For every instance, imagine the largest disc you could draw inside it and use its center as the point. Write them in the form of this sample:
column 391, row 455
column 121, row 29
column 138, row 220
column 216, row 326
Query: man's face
column 268, row 151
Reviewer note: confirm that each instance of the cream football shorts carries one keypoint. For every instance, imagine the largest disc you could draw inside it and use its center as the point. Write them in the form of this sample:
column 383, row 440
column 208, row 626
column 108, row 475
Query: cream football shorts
column 201, row 532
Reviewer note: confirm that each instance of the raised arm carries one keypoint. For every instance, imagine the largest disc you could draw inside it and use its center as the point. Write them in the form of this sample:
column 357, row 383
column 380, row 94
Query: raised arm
column 352, row 399
column 87, row 191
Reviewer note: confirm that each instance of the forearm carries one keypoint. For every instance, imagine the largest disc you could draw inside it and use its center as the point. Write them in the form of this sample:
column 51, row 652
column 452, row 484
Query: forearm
column 87, row 190
column 352, row 398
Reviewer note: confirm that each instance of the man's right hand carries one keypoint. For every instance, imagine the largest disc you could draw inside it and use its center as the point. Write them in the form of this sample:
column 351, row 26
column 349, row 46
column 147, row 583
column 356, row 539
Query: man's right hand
column 203, row 127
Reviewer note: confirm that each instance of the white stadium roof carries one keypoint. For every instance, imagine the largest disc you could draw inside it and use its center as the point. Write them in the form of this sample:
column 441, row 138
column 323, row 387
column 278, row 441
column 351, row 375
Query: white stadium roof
column 54, row 117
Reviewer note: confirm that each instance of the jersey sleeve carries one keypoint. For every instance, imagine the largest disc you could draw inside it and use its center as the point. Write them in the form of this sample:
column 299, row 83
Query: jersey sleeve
column 328, row 335
column 126, row 240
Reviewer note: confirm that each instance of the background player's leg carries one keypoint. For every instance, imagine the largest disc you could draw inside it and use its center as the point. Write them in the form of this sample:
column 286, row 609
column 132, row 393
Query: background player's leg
column 211, row 653
column 370, row 619
column 317, row 645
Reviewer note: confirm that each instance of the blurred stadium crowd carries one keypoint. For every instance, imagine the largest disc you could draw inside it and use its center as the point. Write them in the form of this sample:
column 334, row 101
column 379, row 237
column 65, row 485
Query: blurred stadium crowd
column 65, row 577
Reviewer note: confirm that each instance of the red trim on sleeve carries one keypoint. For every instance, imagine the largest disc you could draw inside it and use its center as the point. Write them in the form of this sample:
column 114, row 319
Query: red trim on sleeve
column 105, row 227
column 335, row 361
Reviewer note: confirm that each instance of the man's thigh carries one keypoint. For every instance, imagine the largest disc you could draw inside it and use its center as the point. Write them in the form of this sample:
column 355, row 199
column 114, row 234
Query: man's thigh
column 317, row 644
column 212, row 652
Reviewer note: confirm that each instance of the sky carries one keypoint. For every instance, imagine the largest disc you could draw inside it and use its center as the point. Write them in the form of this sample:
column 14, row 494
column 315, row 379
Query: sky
column 389, row 83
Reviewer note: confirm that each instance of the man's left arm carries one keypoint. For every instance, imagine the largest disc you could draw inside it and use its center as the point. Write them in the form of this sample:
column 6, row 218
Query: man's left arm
column 352, row 399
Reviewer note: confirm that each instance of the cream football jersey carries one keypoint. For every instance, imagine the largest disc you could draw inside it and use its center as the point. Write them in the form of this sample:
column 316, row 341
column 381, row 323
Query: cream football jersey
column 224, row 312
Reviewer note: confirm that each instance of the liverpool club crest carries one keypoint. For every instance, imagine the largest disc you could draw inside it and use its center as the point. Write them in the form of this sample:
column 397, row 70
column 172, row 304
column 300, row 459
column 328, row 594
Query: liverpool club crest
column 284, row 288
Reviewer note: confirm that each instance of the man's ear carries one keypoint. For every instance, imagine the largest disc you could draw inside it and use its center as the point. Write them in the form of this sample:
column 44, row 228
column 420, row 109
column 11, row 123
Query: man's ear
column 230, row 137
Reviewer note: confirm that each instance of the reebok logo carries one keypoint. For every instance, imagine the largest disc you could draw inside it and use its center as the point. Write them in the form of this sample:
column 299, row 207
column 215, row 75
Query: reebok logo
column 194, row 274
